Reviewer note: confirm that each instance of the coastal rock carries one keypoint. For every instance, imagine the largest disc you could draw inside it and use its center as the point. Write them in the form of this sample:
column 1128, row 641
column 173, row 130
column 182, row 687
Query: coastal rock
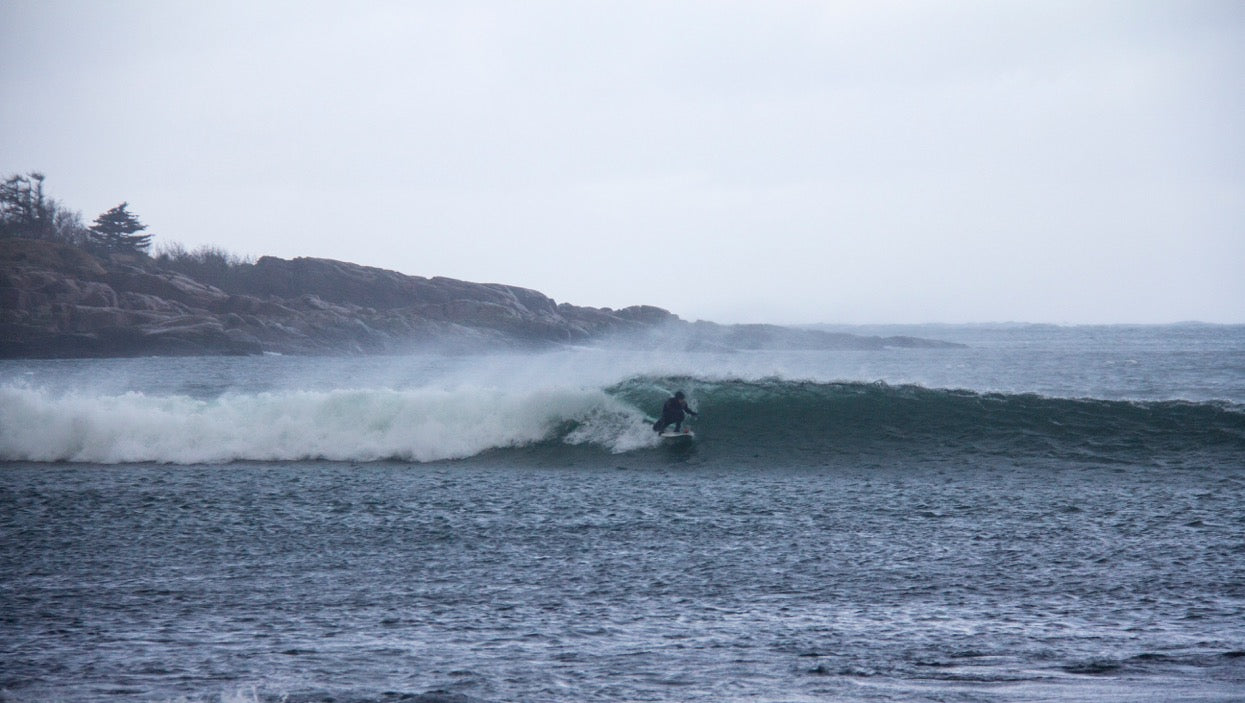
column 59, row 301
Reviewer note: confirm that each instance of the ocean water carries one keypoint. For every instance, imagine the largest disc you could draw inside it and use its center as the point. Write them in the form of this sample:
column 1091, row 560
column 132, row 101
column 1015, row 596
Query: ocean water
column 1046, row 514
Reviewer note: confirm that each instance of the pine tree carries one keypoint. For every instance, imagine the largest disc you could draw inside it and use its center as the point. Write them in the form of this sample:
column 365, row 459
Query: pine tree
column 116, row 231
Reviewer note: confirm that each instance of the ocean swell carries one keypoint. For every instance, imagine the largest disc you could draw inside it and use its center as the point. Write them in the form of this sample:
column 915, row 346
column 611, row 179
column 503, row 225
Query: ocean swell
column 768, row 421
column 778, row 417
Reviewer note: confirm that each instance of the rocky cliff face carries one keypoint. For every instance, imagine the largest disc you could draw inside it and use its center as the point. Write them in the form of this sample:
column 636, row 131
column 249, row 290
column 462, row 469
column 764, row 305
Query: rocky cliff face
column 59, row 301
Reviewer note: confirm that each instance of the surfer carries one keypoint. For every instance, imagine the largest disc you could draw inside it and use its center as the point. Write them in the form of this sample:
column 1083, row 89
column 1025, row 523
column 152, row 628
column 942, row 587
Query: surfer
column 673, row 413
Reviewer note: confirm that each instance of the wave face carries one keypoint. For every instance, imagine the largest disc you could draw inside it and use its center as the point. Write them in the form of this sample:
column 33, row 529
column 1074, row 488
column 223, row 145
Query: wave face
column 812, row 420
column 770, row 422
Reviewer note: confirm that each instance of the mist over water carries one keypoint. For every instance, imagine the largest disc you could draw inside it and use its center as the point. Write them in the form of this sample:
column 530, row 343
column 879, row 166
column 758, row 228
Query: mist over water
column 1056, row 385
column 1047, row 513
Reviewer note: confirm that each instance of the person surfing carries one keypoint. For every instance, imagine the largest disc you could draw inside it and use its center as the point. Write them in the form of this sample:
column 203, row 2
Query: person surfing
column 673, row 412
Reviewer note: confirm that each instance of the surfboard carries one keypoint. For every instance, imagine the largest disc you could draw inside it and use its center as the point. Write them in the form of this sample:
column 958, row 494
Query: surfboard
column 670, row 436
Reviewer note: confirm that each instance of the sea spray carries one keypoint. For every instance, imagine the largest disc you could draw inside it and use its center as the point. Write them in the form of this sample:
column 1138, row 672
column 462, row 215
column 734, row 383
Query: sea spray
column 425, row 424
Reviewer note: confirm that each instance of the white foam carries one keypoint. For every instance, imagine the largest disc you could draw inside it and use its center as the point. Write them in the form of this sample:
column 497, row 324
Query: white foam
column 421, row 424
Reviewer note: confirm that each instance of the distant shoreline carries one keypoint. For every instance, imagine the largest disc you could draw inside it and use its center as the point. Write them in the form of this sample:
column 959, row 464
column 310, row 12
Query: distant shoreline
column 60, row 301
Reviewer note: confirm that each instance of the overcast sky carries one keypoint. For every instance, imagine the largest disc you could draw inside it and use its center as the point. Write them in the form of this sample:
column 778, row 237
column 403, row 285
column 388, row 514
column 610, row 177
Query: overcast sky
column 768, row 161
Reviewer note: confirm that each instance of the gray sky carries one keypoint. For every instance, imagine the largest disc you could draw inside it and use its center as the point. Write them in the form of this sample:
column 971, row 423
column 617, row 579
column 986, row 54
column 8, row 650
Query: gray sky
column 768, row 161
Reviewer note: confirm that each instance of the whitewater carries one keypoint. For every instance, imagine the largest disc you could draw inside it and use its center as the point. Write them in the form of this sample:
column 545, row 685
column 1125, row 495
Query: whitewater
column 1042, row 513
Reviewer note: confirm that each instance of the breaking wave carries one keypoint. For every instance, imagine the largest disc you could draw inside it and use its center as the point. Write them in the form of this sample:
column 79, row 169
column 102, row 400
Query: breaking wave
column 779, row 422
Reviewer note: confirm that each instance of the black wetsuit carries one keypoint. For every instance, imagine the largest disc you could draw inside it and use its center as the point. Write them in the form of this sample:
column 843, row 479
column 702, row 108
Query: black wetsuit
column 672, row 413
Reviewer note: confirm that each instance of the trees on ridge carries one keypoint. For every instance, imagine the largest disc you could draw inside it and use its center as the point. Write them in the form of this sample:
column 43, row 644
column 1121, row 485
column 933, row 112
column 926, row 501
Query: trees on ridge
column 27, row 213
column 117, row 232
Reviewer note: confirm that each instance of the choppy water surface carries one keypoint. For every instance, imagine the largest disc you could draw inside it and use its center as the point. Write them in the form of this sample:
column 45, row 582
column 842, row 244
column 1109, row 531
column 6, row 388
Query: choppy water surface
column 330, row 581
column 468, row 530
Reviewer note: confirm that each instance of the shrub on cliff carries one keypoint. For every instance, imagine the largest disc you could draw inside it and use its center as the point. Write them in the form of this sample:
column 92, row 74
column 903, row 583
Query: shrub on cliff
column 207, row 264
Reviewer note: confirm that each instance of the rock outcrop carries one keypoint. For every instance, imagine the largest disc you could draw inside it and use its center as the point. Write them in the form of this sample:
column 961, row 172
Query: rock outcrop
column 59, row 301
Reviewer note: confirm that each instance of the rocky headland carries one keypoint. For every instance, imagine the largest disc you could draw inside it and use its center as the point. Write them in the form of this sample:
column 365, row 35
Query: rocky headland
column 57, row 300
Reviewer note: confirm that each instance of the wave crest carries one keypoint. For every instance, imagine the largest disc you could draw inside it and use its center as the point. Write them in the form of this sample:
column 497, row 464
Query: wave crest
column 771, row 421
column 776, row 417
